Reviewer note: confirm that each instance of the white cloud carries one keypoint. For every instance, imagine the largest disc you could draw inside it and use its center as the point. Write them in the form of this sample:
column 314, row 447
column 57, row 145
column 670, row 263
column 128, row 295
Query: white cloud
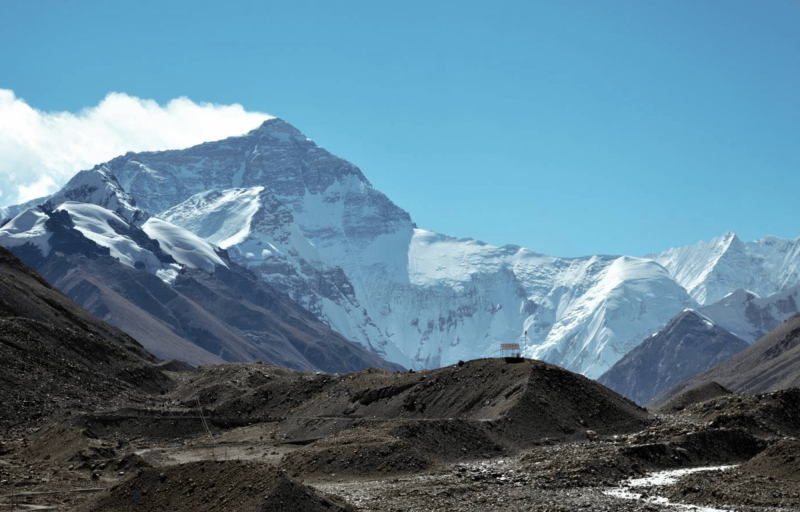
column 40, row 151
column 35, row 190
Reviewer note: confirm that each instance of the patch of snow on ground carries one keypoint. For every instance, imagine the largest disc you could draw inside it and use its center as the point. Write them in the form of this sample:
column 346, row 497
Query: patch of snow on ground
column 168, row 275
column 662, row 479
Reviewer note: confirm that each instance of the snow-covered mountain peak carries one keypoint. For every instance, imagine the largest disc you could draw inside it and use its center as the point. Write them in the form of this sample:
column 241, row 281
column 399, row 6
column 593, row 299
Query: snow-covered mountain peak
column 704, row 268
column 312, row 225
column 279, row 129
column 100, row 187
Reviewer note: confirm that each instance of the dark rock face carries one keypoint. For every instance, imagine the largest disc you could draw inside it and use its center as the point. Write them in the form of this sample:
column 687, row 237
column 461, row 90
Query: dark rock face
column 687, row 345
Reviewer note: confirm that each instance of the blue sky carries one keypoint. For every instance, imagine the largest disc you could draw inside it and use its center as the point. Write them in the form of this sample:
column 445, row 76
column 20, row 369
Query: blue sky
column 569, row 127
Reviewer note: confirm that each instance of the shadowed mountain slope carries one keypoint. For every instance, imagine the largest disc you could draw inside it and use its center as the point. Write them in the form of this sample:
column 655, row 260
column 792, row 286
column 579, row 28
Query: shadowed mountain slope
column 687, row 345
column 56, row 356
column 772, row 363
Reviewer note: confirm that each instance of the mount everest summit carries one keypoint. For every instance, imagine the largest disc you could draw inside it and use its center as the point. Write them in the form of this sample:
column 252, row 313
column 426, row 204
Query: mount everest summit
column 311, row 225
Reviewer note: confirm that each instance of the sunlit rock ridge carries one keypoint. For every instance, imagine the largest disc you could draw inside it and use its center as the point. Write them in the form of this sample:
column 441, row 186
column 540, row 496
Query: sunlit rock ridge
column 312, row 225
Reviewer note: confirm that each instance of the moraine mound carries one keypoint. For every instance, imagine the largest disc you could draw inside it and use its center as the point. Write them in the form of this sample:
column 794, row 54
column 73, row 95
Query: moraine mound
column 770, row 479
column 697, row 394
column 360, row 452
column 521, row 403
column 394, row 447
column 174, row 365
column 667, row 448
column 556, row 403
column 658, row 448
column 781, row 461
column 210, row 486
column 767, row 414
column 517, row 403
column 60, row 443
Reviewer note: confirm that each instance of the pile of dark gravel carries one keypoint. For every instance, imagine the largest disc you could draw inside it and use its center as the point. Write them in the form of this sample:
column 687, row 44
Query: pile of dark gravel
column 770, row 479
column 210, row 486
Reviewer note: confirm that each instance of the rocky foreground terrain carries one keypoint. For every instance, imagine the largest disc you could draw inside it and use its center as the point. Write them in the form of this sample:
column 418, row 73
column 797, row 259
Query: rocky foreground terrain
column 92, row 422
column 487, row 434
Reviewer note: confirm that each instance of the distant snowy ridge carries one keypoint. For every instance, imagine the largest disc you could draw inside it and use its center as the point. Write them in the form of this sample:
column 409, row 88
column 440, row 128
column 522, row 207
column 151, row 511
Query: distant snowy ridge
column 465, row 297
column 127, row 243
column 711, row 270
column 750, row 317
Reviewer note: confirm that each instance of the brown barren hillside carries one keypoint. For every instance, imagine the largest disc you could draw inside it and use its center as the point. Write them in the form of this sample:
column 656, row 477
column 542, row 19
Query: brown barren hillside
column 56, row 356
